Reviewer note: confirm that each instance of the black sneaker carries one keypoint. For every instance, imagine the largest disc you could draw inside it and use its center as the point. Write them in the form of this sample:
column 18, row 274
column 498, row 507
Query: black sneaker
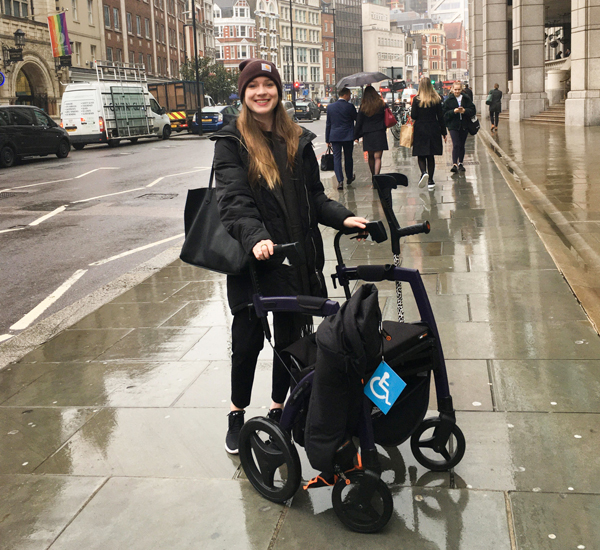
column 454, row 168
column 275, row 415
column 461, row 167
column 340, row 185
column 232, row 440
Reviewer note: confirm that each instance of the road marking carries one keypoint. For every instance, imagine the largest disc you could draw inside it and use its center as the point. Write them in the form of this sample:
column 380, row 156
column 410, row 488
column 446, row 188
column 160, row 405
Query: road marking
column 155, row 181
column 96, row 169
column 25, row 321
column 13, row 229
column 109, row 195
column 122, row 255
column 4, row 337
column 49, row 215
column 67, row 179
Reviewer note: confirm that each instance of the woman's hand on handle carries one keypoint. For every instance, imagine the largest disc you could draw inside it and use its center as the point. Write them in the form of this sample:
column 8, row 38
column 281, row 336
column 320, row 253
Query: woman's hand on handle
column 263, row 250
column 355, row 221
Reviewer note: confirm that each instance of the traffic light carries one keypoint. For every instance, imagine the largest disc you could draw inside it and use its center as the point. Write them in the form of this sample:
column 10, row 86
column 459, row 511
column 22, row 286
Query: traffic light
column 296, row 85
column 433, row 81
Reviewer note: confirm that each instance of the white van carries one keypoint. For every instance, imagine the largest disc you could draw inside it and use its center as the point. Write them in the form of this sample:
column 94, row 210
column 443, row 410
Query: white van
column 407, row 95
column 110, row 111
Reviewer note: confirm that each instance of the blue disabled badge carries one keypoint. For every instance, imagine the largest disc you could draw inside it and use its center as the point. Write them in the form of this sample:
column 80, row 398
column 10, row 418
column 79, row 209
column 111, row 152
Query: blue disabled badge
column 384, row 387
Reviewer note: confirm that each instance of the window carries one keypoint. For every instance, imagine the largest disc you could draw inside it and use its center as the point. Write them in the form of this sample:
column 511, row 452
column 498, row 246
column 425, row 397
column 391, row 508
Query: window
column 314, row 55
column 302, row 73
column 333, row 63
column 327, row 79
column 77, row 53
column 74, row 10
column 119, row 55
column 90, row 4
column 454, row 66
column 109, row 55
column 19, row 9
column 129, row 23
column 131, row 57
column 327, row 65
column 315, row 74
column 434, row 64
column 434, row 51
column 434, row 38
column 149, row 63
column 326, row 46
column 116, row 18
column 242, row 30
column 107, row 17
column 301, row 55
column 141, row 58
column 138, row 25
column 147, row 23
column 93, row 52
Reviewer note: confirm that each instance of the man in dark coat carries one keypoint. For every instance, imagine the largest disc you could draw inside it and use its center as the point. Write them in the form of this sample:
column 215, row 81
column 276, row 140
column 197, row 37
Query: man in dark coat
column 468, row 91
column 495, row 106
column 339, row 134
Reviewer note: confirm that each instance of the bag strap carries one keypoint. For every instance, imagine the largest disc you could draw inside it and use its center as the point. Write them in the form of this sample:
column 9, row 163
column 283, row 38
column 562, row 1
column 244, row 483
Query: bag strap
column 210, row 184
column 329, row 149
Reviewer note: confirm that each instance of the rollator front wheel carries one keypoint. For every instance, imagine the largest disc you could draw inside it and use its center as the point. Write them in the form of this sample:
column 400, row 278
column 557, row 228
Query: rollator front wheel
column 269, row 459
column 396, row 131
column 362, row 517
column 436, row 455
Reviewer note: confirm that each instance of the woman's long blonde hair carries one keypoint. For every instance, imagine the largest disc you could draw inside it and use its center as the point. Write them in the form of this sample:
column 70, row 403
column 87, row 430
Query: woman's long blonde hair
column 371, row 101
column 262, row 161
column 427, row 95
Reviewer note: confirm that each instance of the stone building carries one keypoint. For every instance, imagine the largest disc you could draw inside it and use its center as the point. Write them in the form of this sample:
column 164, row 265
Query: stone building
column 434, row 52
column 509, row 46
column 267, row 25
column 307, row 46
column 383, row 44
column 34, row 80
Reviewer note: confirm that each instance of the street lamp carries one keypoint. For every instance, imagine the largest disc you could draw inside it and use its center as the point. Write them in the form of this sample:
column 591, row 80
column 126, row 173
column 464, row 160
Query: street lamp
column 14, row 55
column 292, row 52
column 199, row 104
column 19, row 39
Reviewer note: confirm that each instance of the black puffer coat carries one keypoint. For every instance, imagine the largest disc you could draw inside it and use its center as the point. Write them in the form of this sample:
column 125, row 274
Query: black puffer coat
column 428, row 130
column 254, row 214
column 456, row 121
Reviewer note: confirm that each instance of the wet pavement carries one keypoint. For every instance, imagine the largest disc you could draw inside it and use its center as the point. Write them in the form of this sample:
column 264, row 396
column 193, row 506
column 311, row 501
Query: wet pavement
column 111, row 433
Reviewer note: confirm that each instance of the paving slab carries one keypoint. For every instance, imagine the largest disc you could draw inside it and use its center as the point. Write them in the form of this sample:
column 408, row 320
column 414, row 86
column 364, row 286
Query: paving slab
column 29, row 436
column 168, row 514
column 15, row 377
column 52, row 502
column 423, row 518
column 545, row 521
column 101, row 383
column 130, row 315
column 149, row 443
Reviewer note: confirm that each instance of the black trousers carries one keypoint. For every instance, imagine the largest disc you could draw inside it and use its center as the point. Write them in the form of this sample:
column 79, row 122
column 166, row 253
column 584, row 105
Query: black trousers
column 494, row 117
column 459, row 138
column 247, row 339
column 347, row 147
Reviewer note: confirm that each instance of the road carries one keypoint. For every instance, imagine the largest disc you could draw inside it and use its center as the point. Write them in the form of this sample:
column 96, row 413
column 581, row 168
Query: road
column 71, row 226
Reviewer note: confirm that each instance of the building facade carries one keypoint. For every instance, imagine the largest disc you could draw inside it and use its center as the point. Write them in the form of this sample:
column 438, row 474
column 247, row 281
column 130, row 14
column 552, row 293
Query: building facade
column 328, row 34
column 434, row 52
column 348, row 37
column 267, row 25
column 235, row 32
column 508, row 45
column 456, row 51
column 301, row 26
column 383, row 45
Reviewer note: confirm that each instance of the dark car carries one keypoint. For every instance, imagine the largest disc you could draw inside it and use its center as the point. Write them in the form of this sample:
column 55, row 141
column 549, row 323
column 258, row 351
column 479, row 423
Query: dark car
column 214, row 118
column 28, row 131
column 307, row 110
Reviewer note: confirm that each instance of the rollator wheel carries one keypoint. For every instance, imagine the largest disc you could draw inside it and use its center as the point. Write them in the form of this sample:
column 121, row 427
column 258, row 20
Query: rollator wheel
column 270, row 460
column 422, row 444
column 396, row 131
column 362, row 517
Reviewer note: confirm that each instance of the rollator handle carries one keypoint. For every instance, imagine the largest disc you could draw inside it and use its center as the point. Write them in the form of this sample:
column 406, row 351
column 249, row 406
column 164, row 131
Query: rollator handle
column 375, row 229
column 424, row 227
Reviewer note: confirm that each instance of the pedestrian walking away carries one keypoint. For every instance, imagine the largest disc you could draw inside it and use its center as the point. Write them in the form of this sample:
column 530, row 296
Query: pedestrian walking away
column 468, row 91
column 429, row 128
column 269, row 192
column 339, row 134
column 370, row 126
column 495, row 103
column 458, row 109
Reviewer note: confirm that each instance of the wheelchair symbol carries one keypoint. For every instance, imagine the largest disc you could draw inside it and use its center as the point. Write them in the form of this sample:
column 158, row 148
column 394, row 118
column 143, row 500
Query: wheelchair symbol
column 384, row 385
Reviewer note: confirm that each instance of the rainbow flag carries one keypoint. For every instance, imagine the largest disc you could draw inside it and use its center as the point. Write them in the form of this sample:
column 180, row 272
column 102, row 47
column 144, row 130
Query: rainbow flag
column 59, row 37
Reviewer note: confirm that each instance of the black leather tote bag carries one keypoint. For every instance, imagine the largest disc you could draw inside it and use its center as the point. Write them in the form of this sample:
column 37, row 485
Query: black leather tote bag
column 327, row 161
column 207, row 243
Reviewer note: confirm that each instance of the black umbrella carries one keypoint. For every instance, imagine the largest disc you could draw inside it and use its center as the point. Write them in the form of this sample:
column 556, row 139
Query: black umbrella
column 361, row 79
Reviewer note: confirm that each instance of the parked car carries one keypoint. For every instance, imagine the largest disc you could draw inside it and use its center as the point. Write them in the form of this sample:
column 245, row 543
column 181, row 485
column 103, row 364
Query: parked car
column 290, row 110
column 214, row 118
column 28, row 131
column 325, row 102
column 307, row 110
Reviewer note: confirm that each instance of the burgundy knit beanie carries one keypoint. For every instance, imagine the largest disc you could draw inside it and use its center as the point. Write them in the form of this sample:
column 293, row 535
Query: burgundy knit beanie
column 253, row 68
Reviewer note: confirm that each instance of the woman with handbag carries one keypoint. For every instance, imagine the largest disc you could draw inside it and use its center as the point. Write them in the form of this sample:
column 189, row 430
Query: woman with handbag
column 370, row 125
column 269, row 192
column 458, row 111
column 429, row 128
column 494, row 100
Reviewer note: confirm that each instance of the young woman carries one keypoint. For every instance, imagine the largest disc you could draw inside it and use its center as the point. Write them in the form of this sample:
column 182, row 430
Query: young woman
column 269, row 192
column 428, row 130
column 370, row 126
column 458, row 109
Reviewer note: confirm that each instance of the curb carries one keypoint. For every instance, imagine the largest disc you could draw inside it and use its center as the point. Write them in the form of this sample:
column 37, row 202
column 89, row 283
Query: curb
column 544, row 215
column 20, row 345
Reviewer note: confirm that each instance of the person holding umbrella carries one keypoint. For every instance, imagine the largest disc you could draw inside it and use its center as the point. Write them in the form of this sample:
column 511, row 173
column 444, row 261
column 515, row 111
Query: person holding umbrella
column 370, row 126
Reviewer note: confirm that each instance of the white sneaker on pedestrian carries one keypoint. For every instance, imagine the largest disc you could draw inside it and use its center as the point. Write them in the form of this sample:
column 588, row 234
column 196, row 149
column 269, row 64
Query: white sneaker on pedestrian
column 431, row 186
column 424, row 179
